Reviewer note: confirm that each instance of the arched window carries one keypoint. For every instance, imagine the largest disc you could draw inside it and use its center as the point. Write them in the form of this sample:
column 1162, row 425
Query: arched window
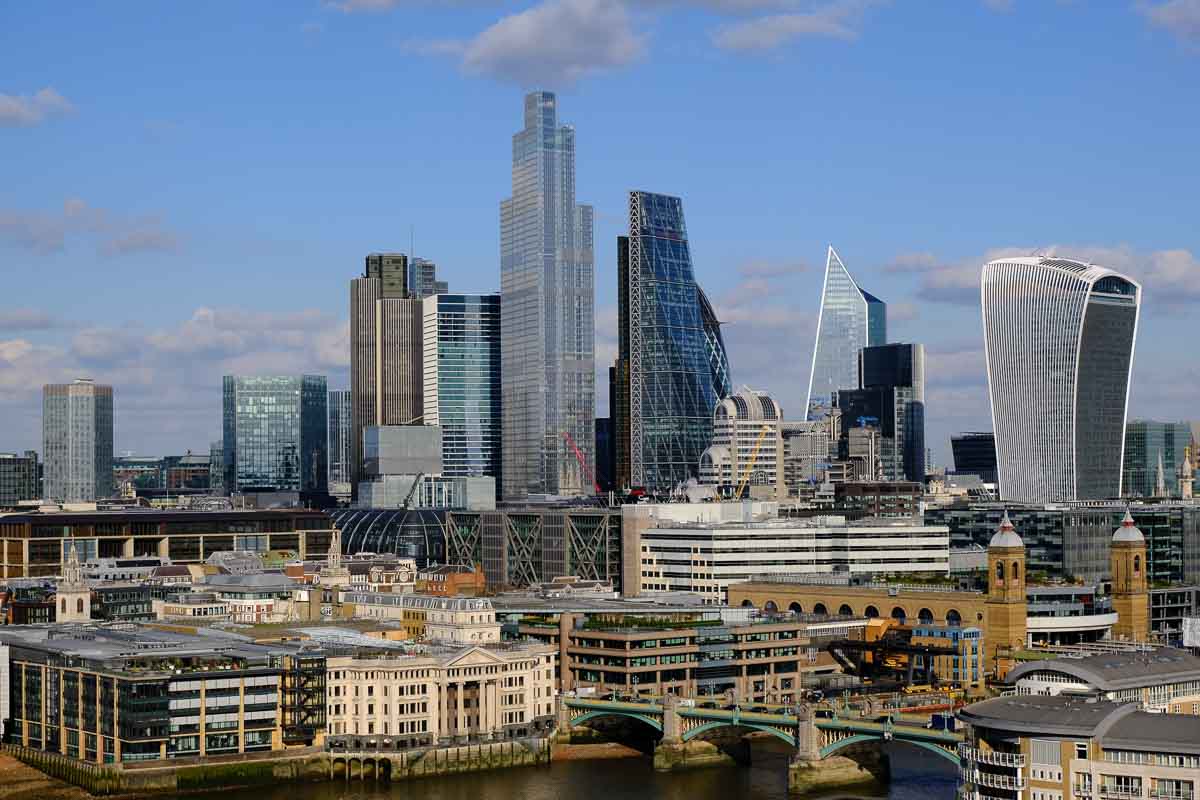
column 999, row 570
column 820, row 608
column 953, row 618
column 770, row 608
column 899, row 614
column 871, row 613
column 64, row 605
column 1016, row 570
column 925, row 616
column 795, row 608
column 846, row 611
column 1137, row 564
column 747, row 603
column 79, row 606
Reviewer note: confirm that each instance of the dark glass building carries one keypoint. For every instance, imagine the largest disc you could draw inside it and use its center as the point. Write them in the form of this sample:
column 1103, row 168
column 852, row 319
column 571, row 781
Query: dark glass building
column 606, row 463
column 975, row 454
column 670, row 345
column 1154, row 451
column 462, row 381
column 275, row 434
column 891, row 396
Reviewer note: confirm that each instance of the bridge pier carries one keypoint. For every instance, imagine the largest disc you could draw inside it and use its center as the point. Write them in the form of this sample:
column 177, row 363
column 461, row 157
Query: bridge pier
column 868, row 770
column 679, row 755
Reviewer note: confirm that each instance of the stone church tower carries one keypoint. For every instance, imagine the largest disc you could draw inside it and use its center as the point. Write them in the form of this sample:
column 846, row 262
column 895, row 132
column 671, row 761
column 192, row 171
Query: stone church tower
column 1006, row 605
column 73, row 596
column 1130, row 592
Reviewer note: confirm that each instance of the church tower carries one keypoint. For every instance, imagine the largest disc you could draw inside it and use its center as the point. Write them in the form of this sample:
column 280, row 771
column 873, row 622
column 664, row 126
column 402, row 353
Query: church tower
column 73, row 596
column 335, row 573
column 1006, row 606
column 1130, row 595
column 1185, row 475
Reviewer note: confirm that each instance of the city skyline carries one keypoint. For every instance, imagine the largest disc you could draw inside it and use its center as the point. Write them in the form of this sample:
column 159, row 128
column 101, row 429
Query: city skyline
column 104, row 255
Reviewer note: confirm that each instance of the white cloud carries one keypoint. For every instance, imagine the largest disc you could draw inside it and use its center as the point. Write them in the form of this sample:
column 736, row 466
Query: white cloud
column 26, row 319
column 112, row 234
column 555, row 43
column 1179, row 17
column 837, row 20
column 27, row 110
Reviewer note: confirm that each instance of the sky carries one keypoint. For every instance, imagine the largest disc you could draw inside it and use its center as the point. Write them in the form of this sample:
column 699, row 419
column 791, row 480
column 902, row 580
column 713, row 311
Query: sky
column 186, row 189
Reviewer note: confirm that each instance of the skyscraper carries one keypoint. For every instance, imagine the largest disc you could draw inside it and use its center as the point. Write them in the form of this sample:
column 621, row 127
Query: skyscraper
column 77, row 441
column 341, row 442
column 547, row 326
column 891, row 396
column 671, row 348
column 975, row 454
column 422, row 278
column 849, row 320
column 1154, row 453
column 462, row 381
column 385, row 350
column 1059, row 338
column 275, row 434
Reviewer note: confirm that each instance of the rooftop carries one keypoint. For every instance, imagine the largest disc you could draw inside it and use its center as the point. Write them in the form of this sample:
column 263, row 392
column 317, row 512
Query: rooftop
column 1114, row 671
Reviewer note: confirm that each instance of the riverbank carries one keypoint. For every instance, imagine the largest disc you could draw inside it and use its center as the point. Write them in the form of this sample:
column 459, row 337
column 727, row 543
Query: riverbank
column 23, row 782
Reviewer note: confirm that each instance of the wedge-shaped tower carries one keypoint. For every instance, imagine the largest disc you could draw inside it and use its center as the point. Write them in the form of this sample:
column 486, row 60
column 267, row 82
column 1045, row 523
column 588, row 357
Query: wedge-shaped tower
column 850, row 319
column 1059, row 339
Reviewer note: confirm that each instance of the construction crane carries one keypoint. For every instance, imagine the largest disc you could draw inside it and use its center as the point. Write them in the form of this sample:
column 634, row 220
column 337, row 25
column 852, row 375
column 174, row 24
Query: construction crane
column 582, row 464
column 749, row 471
column 412, row 490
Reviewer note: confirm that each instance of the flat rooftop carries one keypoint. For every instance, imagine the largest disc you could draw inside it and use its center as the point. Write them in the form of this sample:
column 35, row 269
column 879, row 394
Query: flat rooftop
column 1115, row 671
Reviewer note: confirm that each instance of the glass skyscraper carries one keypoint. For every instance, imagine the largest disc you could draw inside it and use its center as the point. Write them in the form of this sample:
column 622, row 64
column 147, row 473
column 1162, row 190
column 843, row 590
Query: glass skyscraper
column 548, row 299
column 1059, row 337
column 1154, row 450
column 77, row 441
column 423, row 280
column 672, row 350
column 341, row 442
column 891, row 396
column 462, row 381
column 849, row 320
column 275, row 435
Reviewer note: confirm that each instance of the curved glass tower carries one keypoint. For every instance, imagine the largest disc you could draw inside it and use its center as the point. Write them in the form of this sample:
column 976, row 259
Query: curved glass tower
column 849, row 320
column 1059, row 338
column 677, row 365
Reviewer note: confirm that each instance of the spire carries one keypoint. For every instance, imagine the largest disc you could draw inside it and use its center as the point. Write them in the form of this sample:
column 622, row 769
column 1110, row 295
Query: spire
column 1128, row 532
column 72, row 572
column 1160, row 481
column 335, row 549
column 1006, row 535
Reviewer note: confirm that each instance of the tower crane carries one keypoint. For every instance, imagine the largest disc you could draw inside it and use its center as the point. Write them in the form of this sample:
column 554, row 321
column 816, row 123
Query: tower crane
column 582, row 464
column 749, row 470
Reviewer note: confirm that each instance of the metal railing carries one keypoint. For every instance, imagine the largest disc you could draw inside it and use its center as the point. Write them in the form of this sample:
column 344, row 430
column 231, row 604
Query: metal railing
column 1014, row 760
column 994, row 781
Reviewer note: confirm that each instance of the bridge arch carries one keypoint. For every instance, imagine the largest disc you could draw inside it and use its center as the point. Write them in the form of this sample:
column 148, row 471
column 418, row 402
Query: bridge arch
column 717, row 724
column 866, row 738
column 591, row 715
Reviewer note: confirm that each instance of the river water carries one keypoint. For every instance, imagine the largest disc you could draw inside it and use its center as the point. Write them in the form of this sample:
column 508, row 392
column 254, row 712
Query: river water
column 916, row 775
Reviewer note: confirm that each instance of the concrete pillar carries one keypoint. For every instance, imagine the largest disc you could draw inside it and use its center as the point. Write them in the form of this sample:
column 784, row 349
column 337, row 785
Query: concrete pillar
column 460, row 718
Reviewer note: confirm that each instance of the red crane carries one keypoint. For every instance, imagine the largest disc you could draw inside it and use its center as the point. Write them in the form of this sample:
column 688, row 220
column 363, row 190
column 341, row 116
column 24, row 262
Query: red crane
column 582, row 464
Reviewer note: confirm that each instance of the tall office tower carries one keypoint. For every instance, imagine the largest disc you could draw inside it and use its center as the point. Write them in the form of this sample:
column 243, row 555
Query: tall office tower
column 975, row 454
column 463, row 381
column 746, row 444
column 341, row 442
column 891, row 396
column 422, row 278
column 1153, row 449
column 216, row 468
column 1059, row 339
column 385, row 350
column 678, row 369
column 275, row 434
column 77, row 441
column 18, row 478
column 849, row 320
column 548, row 298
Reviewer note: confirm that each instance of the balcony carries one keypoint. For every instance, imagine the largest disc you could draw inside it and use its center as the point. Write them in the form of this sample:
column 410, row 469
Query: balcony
column 994, row 781
column 1120, row 793
column 1081, row 790
column 992, row 757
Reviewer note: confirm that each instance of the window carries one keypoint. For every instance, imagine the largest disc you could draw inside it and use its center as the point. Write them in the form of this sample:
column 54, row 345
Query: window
column 1081, row 750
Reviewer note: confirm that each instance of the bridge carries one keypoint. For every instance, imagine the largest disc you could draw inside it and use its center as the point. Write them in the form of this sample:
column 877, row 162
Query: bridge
column 831, row 749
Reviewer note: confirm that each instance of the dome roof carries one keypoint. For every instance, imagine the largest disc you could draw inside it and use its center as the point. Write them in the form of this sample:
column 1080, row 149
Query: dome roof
column 1128, row 532
column 1006, row 536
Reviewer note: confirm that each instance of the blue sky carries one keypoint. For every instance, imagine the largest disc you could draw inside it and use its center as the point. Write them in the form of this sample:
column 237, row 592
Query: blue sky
column 186, row 189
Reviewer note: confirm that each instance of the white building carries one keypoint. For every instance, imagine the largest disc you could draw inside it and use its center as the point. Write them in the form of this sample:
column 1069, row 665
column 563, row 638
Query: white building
column 746, row 443
column 707, row 557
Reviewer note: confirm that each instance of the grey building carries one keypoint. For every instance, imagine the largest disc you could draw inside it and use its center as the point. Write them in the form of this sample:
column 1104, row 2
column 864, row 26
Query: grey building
column 77, row 441
column 462, row 381
column 216, row 467
column 1059, row 340
column 891, row 396
column 18, row 477
column 341, row 442
column 401, row 450
column 275, row 436
column 385, row 349
column 547, row 327
column 1154, row 453
column 423, row 280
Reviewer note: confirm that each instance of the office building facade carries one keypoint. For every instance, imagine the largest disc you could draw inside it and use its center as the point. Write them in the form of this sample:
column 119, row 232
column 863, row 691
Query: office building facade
column 677, row 366
column 386, row 357
column 547, row 326
column 1059, row 340
column 1154, row 456
column 341, row 442
column 850, row 319
column 975, row 454
column 275, row 436
column 462, row 379
column 77, row 441
column 891, row 397
column 422, row 278
column 18, row 478
column 746, row 444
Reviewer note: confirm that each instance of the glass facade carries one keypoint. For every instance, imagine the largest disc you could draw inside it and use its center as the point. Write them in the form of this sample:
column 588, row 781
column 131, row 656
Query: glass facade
column 975, row 454
column 77, row 441
column 1059, row 339
column 462, row 381
column 275, row 434
column 892, row 397
column 1152, row 448
column 548, row 299
column 850, row 319
column 341, row 438
column 679, row 370
column 422, row 278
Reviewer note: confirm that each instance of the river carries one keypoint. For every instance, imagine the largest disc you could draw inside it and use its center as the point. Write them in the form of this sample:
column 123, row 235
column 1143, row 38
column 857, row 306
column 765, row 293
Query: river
column 916, row 775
